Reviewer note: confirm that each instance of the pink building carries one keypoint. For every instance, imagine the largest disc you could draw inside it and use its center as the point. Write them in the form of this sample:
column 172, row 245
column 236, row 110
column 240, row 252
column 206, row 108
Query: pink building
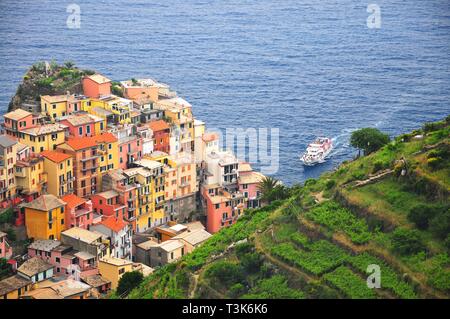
column 81, row 125
column 64, row 258
column 96, row 86
column 248, row 182
column 222, row 207
column 78, row 211
column 130, row 150
column 5, row 249
column 17, row 121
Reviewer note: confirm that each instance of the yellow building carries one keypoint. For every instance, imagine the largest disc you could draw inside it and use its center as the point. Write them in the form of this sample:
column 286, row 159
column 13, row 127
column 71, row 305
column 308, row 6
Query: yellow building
column 179, row 113
column 44, row 217
column 59, row 168
column 14, row 287
column 54, row 106
column 156, row 188
column 8, row 151
column 31, row 178
column 43, row 138
column 112, row 269
column 113, row 108
column 108, row 149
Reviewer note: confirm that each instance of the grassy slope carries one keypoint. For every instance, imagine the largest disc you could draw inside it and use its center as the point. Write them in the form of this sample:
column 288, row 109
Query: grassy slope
column 318, row 243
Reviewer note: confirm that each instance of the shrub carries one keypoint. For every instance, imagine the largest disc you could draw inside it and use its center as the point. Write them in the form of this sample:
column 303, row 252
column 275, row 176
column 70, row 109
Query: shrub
column 421, row 214
column 407, row 242
column 435, row 162
column 330, row 184
column 236, row 290
column 275, row 287
column 440, row 224
column 225, row 272
column 129, row 281
column 377, row 166
column 433, row 126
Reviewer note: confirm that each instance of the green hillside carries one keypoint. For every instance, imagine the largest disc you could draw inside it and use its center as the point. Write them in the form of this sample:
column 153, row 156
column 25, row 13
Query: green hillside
column 389, row 208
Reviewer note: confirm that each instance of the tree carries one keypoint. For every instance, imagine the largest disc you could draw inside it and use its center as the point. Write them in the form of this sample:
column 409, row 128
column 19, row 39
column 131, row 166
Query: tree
column 407, row 242
column 129, row 281
column 271, row 189
column 368, row 139
column 266, row 187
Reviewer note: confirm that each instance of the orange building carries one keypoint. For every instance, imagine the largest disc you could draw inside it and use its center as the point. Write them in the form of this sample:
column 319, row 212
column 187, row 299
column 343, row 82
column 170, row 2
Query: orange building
column 96, row 85
column 161, row 135
column 84, row 152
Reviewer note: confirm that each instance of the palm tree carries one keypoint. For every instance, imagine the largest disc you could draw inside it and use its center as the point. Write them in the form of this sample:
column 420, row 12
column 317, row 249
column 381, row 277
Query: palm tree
column 266, row 186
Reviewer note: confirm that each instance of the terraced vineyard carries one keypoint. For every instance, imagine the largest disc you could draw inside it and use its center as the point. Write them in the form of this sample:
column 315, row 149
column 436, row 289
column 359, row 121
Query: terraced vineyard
column 311, row 246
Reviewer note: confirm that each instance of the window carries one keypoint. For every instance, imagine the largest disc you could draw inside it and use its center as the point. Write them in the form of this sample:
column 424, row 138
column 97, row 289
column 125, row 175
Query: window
column 88, row 129
column 171, row 255
column 217, row 206
column 121, row 271
column 58, row 260
column 80, row 130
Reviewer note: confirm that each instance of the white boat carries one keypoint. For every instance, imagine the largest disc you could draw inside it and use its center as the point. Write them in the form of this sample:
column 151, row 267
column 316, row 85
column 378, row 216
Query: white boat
column 317, row 151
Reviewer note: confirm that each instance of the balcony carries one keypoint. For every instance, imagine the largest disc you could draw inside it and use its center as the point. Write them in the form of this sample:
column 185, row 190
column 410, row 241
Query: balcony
column 84, row 159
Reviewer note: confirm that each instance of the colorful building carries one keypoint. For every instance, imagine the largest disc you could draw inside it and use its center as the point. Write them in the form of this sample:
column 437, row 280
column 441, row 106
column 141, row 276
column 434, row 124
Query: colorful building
column 84, row 152
column 141, row 87
column 112, row 269
column 179, row 111
column 108, row 152
column 248, row 185
column 8, row 150
column 14, row 287
column 44, row 137
column 108, row 204
column 82, row 124
column 154, row 186
column 57, row 288
column 45, row 217
column 60, row 176
column 79, row 211
column 161, row 135
column 36, row 270
column 31, row 177
column 222, row 207
column 18, row 120
column 5, row 248
column 119, row 235
column 54, row 106
column 96, row 86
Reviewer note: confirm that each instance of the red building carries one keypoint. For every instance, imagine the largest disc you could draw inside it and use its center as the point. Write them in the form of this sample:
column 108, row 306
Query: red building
column 78, row 211
column 108, row 204
column 161, row 135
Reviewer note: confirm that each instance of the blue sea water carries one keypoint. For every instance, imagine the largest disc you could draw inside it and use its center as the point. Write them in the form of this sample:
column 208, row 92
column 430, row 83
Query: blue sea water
column 306, row 67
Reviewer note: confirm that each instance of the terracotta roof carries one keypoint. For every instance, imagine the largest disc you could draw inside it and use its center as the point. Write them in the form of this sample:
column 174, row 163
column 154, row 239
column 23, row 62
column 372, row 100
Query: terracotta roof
column 54, row 156
column 12, row 283
column 17, row 114
column 98, row 78
column 73, row 200
column 209, row 137
column 159, row 125
column 55, row 98
column 45, row 129
column 45, row 203
column 105, row 138
column 114, row 224
column 34, row 266
column 82, row 234
column 95, row 280
column 58, row 289
column 79, row 119
column 79, row 143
